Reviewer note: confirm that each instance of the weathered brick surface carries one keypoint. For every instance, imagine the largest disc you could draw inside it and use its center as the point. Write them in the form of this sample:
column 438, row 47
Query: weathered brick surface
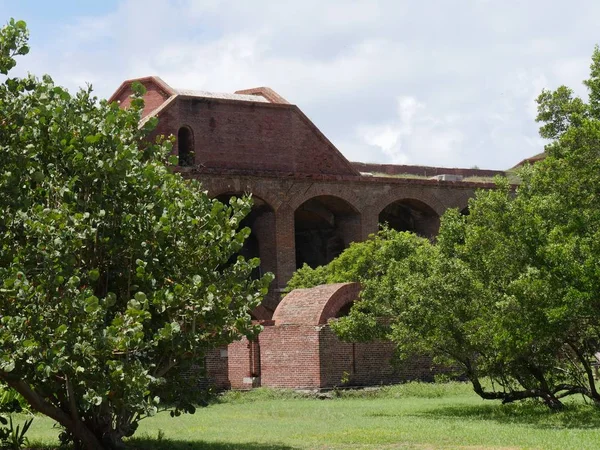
column 290, row 356
column 368, row 196
column 298, row 349
column 311, row 200
column 244, row 363
column 316, row 305
column 272, row 150
column 216, row 364
column 245, row 136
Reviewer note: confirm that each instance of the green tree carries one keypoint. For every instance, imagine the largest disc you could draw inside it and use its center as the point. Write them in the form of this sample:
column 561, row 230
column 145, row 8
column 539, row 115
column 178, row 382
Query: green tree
column 512, row 291
column 115, row 273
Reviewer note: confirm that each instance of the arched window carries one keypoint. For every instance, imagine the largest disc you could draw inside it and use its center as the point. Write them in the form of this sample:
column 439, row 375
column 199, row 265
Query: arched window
column 185, row 146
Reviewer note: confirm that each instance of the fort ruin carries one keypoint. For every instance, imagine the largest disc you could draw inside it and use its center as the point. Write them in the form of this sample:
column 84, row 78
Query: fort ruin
column 310, row 203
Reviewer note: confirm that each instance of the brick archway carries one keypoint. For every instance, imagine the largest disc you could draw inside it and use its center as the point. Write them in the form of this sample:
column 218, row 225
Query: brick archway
column 315, row 306
column 260, row 244
column 325, row 190
column 323, row 227
column 426, row 198
column 186, row 146
column 412, row 215
column 239, row 189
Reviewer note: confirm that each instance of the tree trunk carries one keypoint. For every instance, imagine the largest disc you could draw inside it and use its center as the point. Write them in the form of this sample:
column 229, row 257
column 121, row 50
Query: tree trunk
column 75, row 427
column 552, row 402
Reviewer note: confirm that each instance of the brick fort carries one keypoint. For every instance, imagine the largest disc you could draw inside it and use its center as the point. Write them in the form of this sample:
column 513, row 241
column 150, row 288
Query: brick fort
column 310, row 202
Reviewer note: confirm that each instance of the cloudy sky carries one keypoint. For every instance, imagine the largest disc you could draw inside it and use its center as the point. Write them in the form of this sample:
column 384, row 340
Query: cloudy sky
column 432, row 82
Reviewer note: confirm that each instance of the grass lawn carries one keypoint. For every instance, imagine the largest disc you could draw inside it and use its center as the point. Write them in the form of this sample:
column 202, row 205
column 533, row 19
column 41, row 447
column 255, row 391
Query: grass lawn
column 412, row 416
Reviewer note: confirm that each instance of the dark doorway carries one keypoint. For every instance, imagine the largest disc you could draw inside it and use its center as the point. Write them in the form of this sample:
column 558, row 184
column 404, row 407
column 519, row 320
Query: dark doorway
column 324, row 227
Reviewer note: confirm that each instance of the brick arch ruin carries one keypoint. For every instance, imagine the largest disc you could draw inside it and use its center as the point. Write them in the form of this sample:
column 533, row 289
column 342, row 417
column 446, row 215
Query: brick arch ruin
column 255, row 141
column 310, row 203
column 317, row 305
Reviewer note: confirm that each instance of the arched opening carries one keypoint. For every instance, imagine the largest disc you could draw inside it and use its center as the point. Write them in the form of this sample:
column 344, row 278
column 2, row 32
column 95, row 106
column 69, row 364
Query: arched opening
column 185, row 146
column 324, row 227
column 261, row 242
column 344, row 310
column 411, row 215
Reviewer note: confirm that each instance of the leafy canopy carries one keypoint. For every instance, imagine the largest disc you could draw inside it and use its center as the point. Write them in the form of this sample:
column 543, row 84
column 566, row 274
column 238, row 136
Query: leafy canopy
column 511, row 291
column 115, row 273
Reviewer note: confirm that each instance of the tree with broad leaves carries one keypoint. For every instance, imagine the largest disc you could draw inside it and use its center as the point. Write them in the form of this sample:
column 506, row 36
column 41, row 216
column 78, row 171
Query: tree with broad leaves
column 115, row 273
column 510, row 292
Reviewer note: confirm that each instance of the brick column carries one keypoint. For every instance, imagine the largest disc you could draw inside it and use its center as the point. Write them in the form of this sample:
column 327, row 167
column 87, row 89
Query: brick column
column 370, row 223
column 286, row 245
column 265, row 230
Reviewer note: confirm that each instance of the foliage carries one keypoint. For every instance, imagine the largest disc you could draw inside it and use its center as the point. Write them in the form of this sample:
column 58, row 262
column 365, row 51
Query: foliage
column 360, row 261
column 116, row 274
column 511, row 291
column 12, row 401
column 11, row 436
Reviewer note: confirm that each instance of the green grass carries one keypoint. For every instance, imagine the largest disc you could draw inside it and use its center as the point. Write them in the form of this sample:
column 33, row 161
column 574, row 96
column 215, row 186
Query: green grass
column 412, row 416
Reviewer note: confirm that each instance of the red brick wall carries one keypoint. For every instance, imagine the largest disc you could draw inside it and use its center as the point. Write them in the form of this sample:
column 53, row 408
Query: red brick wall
column 365, row 364
column 246, row 136
column 216, row 363
column 309, row 357
column 290, row 357
column 244, row 363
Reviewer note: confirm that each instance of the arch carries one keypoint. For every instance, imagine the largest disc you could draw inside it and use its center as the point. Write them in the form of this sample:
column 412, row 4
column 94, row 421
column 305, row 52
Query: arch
column 221, row 189
column 413, row 215
column 323, row 227
column 315, row 306
column 260, row 244
column 424, row 196
column 185, row 146
column 326, row 190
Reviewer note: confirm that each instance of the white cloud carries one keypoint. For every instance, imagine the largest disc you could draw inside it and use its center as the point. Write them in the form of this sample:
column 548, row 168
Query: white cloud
column 415, row 136
column 469, row 71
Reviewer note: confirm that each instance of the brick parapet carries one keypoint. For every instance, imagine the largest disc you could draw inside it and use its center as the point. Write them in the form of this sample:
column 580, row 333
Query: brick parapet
column 427, row 171
column 200, row 172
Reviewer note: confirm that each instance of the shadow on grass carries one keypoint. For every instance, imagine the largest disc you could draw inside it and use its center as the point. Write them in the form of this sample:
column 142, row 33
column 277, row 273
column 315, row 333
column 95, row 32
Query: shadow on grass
column 528, row 413
column 574, row 416
column 169, row 444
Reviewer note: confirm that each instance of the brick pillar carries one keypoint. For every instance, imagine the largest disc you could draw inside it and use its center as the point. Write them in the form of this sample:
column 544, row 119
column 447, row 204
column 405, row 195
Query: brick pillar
column 350, row 228
column 286, row 245
column 265, row 230
column 370, row 223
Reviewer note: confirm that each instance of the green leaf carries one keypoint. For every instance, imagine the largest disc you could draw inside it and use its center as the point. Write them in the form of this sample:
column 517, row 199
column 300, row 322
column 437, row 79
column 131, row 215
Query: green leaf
column 94, row 274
